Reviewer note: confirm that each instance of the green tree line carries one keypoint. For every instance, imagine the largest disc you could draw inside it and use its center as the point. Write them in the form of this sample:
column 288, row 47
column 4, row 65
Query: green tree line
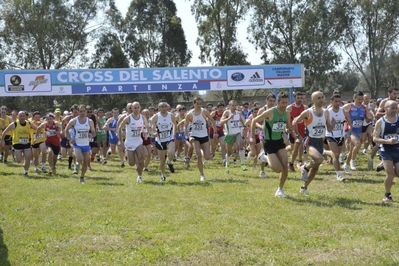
column 342, row 43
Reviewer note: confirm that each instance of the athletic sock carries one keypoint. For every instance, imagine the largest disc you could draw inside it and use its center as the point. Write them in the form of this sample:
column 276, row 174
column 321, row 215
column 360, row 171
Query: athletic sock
column 241, row 153
column 227, row 160
column 70, row 159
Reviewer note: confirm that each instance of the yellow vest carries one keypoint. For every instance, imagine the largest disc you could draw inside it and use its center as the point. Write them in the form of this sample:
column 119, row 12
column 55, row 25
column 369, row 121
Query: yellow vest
column 20, row 134
column 41, row 135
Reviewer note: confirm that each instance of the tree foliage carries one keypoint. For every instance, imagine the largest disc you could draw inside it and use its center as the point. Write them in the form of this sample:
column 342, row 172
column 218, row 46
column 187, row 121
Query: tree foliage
column 217, row 34
column 154, row 37
column 296, row 32
column 46, row 34
column 370, row 30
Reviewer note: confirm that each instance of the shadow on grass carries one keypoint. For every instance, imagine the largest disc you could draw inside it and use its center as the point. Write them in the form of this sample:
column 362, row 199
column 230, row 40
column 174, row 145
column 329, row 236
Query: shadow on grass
column 363, row 180
column 3, row 251
column 109, row 184
column 347, row 203
column 177, row 183
column 230, row 180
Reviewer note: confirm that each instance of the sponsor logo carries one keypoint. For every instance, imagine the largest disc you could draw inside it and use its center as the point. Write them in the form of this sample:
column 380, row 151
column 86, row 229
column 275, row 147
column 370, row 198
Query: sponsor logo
column 38, row 81
column 245, row 77
column 16, row 80
column 237, row 76
column 255, row 78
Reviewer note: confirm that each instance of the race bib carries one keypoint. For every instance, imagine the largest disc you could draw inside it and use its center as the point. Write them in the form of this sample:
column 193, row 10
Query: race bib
column 392, row 136
column 257, row 131
column 82, row 134
column 136, row 133
column 164, row 134
column 123, row 131
column 217, row 123
column 23, row 140
column 39, row 136
column 357, row 123
column 234, row 123
column 278, row 127
column 318, row 131
column 198, row 127
column 338, row 126
column 51, row 133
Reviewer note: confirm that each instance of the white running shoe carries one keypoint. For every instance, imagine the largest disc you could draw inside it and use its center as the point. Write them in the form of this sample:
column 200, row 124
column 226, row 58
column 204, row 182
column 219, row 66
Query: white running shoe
column 340, row 178
column 346, row 168
column 140, row 179
column 262, row 174
column 341, row 157
column 304, row 191
column 280, row 193
column 364, row 151
column 353, row 164
column 371, row 164
column 203, row 178
column 304, row 174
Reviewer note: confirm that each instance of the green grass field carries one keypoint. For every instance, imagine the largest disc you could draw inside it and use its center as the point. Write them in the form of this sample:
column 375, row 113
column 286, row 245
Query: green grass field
column 230, row 219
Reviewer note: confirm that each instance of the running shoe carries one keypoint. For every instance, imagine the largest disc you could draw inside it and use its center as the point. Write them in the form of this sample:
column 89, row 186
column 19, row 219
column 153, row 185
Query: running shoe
column 304, row 191
column 353, row 165
column 262, row 174
column 26, row 175
column 370, row 164
column 291, row 167
column 82, row 180
column 304, row 174
column 340, row 178
column 380, row 167
column 346, row 168
column 171, row 168
column 388, row 199
column 140, row 179
column 203, row 178
column 280, row 193
column 163, row 178
column 244, row 167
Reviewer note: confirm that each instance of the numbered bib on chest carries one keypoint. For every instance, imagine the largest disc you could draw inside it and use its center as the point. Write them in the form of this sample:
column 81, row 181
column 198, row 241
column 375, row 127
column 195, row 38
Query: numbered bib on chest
column 339, row 126
column 135, row 133
column 23, row 140
column 51, row 133
column 392, row 136
column 278, row 127
column 82, row 134
column 318, row 131
column 217, row 123
column 39, row 135
column 164, row 135
column 234, row 123
column 357, row 123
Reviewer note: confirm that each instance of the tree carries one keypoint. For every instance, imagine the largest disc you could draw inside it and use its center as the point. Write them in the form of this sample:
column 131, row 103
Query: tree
column 45, row 34
column 217, row 29
column 370, row 30
column 155, row 37
column 296, row 31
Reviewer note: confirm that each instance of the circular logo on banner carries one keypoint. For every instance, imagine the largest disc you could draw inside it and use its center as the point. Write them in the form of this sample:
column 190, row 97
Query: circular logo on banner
column 15, row 80
column 237, row 76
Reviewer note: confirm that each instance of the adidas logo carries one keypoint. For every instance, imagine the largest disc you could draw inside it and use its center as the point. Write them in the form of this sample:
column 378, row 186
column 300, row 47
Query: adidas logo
column 255, row 78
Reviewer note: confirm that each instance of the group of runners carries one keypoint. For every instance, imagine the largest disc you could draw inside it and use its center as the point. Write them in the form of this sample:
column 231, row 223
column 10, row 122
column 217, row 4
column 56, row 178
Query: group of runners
column 253, row 134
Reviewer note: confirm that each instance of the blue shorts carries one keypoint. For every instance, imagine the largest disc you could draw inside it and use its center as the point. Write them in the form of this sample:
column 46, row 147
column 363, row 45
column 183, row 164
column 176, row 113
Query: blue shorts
column 65, row 143
column 219, row 135
column 389, row 156
column 113, row 140
column 82, row 148
column 180, row 137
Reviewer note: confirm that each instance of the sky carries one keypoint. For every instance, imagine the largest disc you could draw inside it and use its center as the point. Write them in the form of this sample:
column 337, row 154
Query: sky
column 190, row 30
